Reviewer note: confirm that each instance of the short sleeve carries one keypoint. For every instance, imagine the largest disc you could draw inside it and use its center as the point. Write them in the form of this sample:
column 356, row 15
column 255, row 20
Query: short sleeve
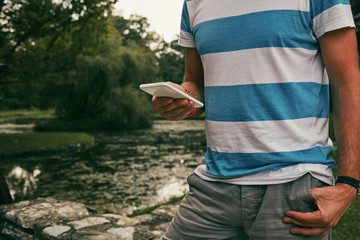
column 329, row 15
column 186, row 38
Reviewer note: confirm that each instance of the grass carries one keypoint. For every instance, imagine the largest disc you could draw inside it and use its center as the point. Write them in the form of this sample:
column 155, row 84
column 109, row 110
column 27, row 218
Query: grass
column 348, row 228
column 13, row 115
column 35, row 140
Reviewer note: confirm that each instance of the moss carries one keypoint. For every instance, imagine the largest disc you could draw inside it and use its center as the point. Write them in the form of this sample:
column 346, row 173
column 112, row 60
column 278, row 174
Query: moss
column 148, row 210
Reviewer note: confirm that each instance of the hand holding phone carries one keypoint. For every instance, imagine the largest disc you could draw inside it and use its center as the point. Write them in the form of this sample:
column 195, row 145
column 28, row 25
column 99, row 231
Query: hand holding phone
column 165, row 89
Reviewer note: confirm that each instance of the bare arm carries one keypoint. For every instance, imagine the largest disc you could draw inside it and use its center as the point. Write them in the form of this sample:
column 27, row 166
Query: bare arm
column 340, row 57
column 194, row 73
column 342, row 63
column 193, row 81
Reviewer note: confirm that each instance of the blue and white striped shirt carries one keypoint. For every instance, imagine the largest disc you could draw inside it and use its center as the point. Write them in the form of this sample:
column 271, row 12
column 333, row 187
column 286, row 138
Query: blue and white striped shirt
column 266, row 88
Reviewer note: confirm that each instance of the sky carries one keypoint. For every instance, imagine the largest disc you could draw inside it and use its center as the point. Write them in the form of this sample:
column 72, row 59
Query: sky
column 163, row 15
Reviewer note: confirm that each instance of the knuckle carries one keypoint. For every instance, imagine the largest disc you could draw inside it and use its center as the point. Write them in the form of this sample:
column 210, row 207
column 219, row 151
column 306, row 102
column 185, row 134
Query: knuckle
column 325, row 219
column 168, row 108
column 332, row 224
column 154, row 101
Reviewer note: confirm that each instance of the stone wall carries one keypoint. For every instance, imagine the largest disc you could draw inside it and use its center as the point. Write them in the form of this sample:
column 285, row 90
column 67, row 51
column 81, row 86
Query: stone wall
column 47, row 218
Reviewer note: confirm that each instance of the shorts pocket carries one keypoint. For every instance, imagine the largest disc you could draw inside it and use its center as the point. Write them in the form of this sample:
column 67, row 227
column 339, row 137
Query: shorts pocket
column 299, row 197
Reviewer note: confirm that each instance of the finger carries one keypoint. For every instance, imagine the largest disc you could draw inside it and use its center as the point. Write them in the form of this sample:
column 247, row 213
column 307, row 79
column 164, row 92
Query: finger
column 170, row 107
column 161, row 101
column 310, row 231
column 302, row 224
column 177, row 104
column 178, row 113
column 304, row 218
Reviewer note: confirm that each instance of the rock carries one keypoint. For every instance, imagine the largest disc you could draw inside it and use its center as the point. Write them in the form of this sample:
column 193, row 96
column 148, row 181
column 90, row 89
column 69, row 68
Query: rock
column 16, row 233
column 143, row 218
column 89, row 222
column 122, row 233
column 110, row 215
column 48, row 218
column 56, row 230
column 44, row 211
column 157, row 232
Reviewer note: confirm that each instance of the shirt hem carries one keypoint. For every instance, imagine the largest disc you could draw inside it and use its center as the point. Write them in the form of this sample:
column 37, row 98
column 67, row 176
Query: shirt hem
column 271, row 177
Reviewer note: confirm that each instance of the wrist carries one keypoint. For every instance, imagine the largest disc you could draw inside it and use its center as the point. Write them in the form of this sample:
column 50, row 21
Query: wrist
column 195, row 109
column 192, row 113
column 349, row 183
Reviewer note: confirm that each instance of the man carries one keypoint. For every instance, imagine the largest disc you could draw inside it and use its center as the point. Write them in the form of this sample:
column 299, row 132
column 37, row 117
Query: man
column 264, row 70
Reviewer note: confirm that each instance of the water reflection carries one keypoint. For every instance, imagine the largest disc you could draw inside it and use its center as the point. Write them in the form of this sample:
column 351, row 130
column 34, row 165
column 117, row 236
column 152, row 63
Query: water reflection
column 173, row 188
column 120, row 173
column 22, row 183
column 10, row 128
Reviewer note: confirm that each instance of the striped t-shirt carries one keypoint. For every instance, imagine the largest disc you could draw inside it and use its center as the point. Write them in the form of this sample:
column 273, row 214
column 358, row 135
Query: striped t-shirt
column 266, row 88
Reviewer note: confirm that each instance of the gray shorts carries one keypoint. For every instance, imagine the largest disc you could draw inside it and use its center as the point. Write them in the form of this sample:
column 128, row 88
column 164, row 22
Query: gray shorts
column 214, row 210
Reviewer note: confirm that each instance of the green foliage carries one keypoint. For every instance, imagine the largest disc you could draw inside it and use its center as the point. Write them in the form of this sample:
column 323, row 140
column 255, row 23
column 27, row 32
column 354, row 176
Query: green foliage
column 135, row 30
column 127, row 107
column 105, row 86
column 41, row 42
column 172, row 62
column 27, row 23
column 75, row 57
column 172, row 200
column 348, row 226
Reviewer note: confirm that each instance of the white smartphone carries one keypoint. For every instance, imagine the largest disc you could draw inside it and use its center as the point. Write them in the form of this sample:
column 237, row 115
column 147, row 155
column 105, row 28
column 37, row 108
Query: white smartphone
column 165, row 89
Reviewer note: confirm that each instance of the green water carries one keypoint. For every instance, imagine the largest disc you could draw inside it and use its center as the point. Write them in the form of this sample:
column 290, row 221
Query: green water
column 120, row 173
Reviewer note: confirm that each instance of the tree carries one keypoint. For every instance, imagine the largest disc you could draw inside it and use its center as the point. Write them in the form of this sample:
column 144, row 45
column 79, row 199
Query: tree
column 74, row 56
column 171, row 59
column 101, row 88
column 25, row 22
column 170, row 56
column 41, row 40
column 105, row 86
column 135, row 29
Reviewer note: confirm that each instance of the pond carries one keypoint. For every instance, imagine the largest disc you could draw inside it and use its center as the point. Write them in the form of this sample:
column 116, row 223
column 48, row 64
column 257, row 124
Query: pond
column 120, row 173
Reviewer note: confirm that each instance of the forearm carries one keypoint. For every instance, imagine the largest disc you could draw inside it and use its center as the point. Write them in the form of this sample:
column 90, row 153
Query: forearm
column 339, row 52
column 332, row 202
column 196, row 89
column 346, row 99
column 194, row 75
